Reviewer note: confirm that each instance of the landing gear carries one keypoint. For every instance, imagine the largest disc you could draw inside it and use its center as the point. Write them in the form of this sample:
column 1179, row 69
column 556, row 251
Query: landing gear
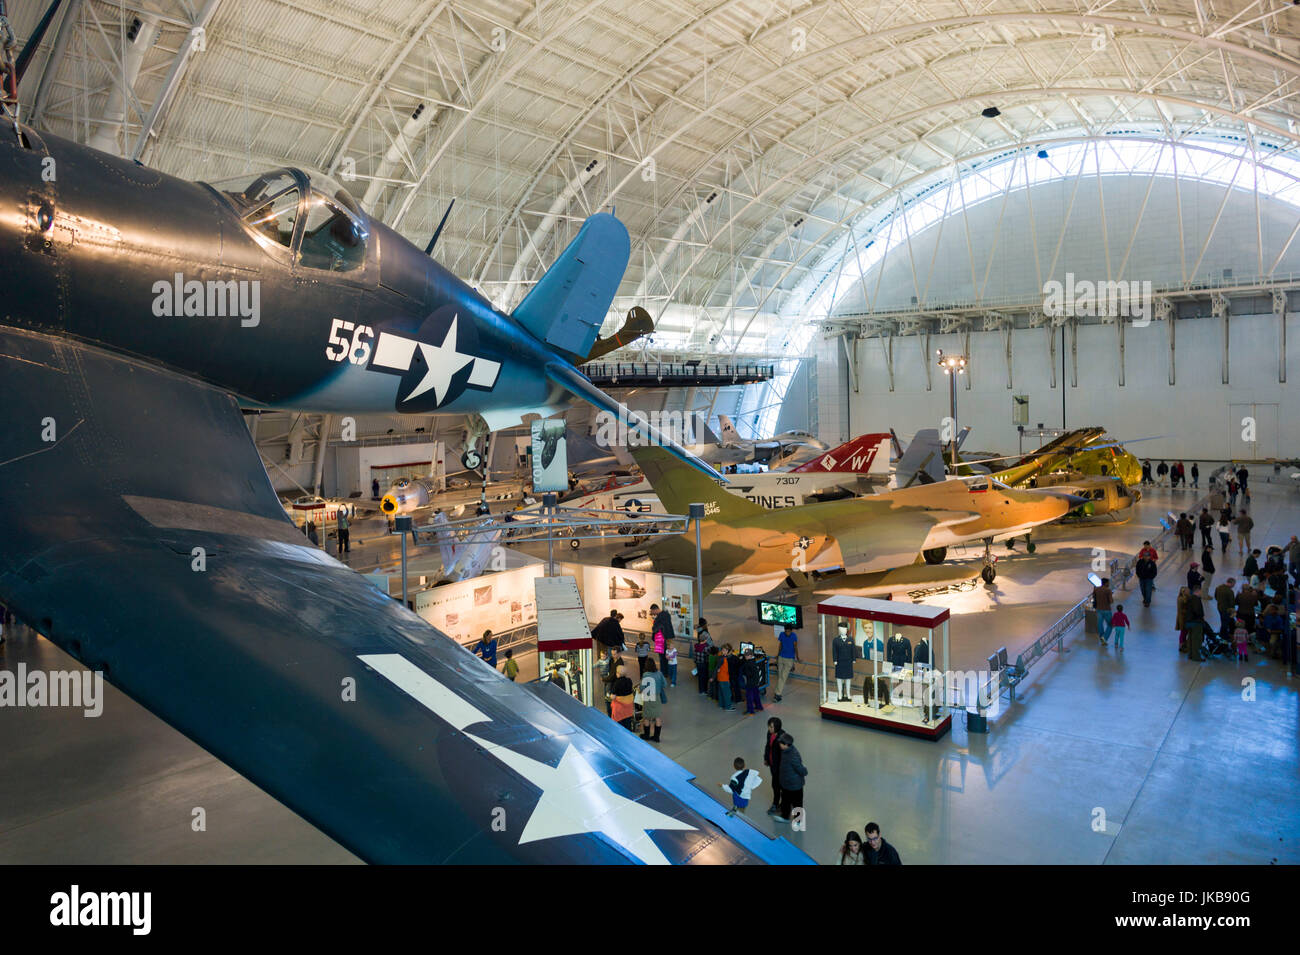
column 989, row 572
column 575, row 544
column 476, row 428
column 935, row 555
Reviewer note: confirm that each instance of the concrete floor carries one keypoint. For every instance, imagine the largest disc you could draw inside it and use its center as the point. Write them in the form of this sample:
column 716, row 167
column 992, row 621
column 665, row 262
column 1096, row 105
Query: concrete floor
column 1139, row 757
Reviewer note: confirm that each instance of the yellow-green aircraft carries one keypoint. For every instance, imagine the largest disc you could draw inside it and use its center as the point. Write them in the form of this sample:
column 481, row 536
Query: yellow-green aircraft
column 1084, row 450
column 881, row 542
column 1103, row 496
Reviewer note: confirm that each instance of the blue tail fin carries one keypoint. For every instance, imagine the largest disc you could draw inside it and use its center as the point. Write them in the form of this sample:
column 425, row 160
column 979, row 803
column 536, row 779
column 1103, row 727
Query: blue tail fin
column 567, row 306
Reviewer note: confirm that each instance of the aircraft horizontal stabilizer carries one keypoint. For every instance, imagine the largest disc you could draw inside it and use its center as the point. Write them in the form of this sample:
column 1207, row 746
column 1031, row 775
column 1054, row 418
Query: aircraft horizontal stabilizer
column 575, row 382
column 568, row 304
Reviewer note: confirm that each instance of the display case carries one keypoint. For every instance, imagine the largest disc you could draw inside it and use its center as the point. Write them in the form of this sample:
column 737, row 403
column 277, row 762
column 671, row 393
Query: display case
column 570, row 670
column 564, row 650
column 896, row 656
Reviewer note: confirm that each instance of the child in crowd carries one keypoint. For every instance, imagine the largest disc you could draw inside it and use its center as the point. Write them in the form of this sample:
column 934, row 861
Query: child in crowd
column 511, row 669
column 742, row 784
column 1241, row 637
column 1119, row 622
column 713, row 668
column 670, row 654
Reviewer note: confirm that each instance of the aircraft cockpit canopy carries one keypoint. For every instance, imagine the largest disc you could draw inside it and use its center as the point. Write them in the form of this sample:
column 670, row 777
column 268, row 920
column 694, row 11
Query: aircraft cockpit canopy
column 315, row 218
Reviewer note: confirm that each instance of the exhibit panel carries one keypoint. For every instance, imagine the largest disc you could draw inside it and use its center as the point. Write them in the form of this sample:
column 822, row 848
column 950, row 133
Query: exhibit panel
column 502, row 602
column 631, row 592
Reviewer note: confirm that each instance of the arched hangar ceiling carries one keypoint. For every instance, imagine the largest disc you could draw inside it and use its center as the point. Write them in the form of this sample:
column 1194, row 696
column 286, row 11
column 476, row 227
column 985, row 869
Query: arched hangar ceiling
column 725, row 133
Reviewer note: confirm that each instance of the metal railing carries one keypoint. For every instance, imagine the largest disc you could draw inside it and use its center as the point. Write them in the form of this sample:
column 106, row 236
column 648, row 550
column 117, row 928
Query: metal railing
column 613, row 371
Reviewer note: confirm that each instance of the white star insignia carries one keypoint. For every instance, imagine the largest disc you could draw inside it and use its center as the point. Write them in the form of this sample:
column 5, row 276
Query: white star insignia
column 443, row 361
column 575, row 801
column 574, row 798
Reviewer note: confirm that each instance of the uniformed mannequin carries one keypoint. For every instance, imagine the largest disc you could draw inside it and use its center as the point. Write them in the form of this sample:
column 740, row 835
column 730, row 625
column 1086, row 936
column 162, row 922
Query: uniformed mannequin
column 923, row 650
column 899, row 650
column 843, row 651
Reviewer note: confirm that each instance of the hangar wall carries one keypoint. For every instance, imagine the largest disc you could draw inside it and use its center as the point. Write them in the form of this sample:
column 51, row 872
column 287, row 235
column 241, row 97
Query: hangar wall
column 1017, row 244
column 1198, row 416
column 350, row 470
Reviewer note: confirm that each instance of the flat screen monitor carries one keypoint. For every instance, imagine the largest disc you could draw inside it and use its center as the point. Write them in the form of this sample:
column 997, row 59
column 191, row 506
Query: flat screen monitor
column 746, row 648
column 779, row 614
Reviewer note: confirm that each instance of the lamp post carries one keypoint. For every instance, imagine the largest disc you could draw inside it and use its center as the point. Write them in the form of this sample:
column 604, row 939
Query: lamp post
column 952, row 365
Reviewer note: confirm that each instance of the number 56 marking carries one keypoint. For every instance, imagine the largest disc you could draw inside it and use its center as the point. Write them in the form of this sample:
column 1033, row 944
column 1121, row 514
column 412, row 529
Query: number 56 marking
column 356, row 350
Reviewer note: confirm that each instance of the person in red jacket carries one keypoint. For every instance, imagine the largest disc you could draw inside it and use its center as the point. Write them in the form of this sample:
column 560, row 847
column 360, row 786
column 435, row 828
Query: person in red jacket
column 1119, row 622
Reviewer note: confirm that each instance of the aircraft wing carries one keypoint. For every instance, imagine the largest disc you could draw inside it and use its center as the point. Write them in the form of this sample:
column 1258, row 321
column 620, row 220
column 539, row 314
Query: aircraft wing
column 577, row 383
column 159, row 554
column 890, row 540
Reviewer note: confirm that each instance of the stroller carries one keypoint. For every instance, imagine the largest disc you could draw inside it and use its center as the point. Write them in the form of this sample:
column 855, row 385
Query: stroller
column 1213, row 645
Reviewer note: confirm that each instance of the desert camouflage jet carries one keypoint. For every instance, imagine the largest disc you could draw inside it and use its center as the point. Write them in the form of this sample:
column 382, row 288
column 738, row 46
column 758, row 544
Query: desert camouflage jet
column 748, row 549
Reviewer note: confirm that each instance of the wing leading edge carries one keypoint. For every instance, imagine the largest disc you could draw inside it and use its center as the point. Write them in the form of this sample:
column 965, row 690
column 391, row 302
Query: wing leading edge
column 146, row 541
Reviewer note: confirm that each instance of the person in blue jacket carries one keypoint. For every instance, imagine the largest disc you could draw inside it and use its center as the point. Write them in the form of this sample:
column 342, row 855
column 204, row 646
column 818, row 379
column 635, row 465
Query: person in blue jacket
column 486, row 649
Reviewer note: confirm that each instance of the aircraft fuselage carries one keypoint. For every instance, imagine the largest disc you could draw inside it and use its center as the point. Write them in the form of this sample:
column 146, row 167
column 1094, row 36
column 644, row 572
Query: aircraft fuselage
column 348, row 318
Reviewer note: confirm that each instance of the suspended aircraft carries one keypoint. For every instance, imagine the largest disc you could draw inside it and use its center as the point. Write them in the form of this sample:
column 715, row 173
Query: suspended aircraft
column 785, row 449
column 1085, row 450
column 141, row 312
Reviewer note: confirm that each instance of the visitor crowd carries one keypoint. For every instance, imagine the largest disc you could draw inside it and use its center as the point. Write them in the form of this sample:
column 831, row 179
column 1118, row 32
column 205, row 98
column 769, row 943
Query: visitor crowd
column 1250, row 611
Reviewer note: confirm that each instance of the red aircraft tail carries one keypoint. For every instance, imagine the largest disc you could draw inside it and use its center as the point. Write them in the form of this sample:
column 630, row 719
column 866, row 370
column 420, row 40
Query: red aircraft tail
column 867, row 454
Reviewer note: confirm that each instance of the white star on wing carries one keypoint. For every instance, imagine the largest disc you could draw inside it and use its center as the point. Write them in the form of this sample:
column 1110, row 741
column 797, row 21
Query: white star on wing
column 443, row 361
column 575, row 800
